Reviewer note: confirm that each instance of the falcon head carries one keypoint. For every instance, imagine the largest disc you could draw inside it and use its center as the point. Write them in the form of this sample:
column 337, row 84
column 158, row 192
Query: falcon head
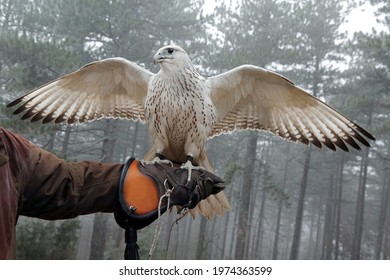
column 171, row 56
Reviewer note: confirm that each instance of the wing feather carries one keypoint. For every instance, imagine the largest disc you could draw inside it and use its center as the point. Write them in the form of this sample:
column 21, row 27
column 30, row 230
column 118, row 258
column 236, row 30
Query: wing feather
column 250, row 97
column 113, row 88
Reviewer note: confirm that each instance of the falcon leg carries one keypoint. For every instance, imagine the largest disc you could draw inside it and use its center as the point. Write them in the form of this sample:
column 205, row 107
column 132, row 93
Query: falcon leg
column 159, row 158
column 190, row 166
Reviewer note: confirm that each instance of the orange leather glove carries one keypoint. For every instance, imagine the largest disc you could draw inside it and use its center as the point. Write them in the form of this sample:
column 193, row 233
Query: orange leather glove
column 144, row 190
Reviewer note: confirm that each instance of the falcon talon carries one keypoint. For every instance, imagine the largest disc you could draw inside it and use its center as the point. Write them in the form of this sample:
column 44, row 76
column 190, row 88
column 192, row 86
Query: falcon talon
column 160, row 156
column 190, row 166
column 156, row 160
column 166, row 161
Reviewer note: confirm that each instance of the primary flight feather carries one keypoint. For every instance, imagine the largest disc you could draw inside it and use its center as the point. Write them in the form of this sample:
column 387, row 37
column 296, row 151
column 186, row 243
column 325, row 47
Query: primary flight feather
column 183, row 109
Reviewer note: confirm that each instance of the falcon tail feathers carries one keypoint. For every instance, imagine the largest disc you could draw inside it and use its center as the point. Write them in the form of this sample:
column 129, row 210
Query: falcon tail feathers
column 214, row 204
column 151, row 154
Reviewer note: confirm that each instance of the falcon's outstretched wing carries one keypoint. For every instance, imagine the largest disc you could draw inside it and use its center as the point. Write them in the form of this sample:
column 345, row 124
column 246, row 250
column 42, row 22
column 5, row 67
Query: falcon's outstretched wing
column 250, row 97
column 113, row 87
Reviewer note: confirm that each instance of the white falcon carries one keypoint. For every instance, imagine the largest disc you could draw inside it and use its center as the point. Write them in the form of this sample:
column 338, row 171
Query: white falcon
column 183, row 109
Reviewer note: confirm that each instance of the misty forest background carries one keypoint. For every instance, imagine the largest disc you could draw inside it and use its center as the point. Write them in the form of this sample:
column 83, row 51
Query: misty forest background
column 288, row 201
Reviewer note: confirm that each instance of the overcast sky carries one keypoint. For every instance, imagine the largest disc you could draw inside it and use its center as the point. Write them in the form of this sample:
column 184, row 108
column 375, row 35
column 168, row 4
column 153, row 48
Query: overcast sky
column 361, row 19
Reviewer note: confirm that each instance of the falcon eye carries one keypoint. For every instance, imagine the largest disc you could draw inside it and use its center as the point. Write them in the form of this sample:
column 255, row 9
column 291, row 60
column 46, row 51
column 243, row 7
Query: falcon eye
column 170, row 50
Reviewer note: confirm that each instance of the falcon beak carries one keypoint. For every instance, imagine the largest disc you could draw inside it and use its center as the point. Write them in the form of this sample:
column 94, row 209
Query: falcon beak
column 158, row 58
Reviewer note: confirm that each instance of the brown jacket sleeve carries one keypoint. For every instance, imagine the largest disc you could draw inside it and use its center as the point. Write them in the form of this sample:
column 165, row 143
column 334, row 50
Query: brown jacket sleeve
column 51, row 188
column 61, row 190
column 36, row 183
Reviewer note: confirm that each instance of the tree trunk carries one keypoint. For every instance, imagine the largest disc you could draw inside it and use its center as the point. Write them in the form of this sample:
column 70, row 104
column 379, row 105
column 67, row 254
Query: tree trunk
column 228, row 229
column 135, row 136
column 386, row 243
column 50, row 144
column 385, row 200
column 234, row 235
column 294, row 253
column 98, row 240
column 339, row 195
column 109, row 141
column 328, row 225
column 99, row 233
column 242, row 227
column 256, row 219
column 314, row 228
column 275, row 247
column 260, row 230
column 202, row 242
column 65, row 143
column 316, row 252
column 359, row 216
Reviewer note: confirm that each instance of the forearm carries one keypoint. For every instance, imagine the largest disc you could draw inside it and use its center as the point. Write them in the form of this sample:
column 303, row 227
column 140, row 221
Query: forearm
column 51, row 188
column 61, row 190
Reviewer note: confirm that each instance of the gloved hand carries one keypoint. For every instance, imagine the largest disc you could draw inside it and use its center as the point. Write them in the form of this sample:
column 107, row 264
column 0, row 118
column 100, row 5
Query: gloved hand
column 144, row 190
column 183, row 193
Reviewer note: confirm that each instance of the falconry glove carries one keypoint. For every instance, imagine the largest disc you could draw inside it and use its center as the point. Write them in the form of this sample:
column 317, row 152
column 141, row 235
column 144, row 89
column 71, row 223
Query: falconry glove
column 145, row 190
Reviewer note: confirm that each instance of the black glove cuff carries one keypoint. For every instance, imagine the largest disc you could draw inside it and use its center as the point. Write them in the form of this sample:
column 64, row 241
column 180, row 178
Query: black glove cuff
column 131, row 212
